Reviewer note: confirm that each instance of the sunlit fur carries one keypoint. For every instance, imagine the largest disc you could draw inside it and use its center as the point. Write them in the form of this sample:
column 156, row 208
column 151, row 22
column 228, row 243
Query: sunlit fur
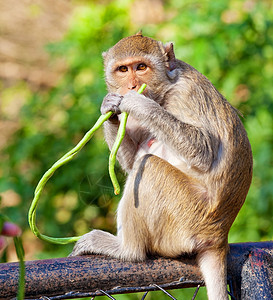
column 188, row 160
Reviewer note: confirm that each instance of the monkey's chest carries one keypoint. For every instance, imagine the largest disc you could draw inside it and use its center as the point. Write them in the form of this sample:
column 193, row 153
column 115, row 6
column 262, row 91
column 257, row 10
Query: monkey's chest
column 147, row 144
column 158, row 148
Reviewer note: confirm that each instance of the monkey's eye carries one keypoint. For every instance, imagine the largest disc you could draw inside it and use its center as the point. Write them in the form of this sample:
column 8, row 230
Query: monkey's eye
column 123, row 69
column 141, row 67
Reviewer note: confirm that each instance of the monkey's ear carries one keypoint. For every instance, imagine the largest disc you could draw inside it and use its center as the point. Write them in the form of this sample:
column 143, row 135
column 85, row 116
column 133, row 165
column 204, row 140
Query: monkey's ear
column 139, row 32
column 170, row 55
column 104, row 54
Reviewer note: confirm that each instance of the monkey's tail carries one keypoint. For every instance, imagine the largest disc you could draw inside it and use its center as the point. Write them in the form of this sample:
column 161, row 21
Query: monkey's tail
column 213, row 265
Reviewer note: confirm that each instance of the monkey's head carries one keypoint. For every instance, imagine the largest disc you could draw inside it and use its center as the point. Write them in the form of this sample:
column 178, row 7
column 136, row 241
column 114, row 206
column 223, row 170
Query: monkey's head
column 135, row 60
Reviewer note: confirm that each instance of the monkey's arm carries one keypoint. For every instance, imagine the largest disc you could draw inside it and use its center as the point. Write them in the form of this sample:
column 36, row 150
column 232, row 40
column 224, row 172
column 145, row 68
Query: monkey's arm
column 196, row 145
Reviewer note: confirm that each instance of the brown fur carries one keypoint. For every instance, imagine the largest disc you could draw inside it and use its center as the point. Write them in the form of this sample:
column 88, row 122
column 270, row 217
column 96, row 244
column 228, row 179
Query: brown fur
column 187, row 155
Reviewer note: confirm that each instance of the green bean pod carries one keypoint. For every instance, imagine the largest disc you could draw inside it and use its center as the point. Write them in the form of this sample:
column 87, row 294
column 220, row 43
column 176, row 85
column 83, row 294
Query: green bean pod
column 119, row 138
column 63, row 160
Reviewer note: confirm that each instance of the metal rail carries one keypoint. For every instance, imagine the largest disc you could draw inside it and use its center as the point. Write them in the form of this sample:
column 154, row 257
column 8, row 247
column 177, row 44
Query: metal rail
column 250, row 274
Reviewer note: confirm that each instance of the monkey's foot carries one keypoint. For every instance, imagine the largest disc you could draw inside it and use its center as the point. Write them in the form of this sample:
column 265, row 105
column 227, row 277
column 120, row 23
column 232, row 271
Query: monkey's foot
column 96, row 242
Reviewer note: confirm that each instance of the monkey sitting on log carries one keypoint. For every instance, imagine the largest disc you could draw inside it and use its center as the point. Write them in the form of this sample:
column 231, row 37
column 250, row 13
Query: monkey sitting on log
column 188, row 159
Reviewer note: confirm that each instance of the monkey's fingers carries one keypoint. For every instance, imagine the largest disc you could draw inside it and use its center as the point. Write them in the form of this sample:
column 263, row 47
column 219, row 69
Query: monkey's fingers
column 111, row 103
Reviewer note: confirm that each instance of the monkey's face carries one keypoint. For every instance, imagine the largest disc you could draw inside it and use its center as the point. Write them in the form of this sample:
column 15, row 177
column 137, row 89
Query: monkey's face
column 131, row 73
column 136, row 60
column 124, row 75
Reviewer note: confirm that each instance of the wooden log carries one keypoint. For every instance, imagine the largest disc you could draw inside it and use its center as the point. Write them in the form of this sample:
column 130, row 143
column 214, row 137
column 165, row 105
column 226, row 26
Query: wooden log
column 86, row 276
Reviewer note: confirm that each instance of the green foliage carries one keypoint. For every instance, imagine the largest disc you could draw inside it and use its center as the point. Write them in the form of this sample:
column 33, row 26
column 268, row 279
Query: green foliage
column 228, row 41
column 80, row 195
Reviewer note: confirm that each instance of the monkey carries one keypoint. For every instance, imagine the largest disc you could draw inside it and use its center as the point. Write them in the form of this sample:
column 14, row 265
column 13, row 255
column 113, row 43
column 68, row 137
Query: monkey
column 187, row 156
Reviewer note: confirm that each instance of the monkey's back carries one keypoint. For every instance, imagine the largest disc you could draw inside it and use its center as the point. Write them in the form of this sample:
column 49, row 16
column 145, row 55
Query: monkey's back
column 228, row 179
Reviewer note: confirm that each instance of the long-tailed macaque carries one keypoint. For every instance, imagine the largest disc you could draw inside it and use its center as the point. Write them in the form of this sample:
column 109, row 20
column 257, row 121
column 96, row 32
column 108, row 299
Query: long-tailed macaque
column 187, row 156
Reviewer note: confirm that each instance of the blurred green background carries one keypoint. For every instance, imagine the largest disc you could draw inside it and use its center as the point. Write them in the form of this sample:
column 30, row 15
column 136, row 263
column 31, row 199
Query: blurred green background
column 52, row 84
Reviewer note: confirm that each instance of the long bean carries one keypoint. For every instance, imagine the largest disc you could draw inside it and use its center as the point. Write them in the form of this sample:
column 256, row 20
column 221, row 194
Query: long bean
column 65, row 159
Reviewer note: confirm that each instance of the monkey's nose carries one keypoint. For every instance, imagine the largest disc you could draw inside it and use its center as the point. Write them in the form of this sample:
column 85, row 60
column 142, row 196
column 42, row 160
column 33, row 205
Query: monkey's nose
column 132, row 87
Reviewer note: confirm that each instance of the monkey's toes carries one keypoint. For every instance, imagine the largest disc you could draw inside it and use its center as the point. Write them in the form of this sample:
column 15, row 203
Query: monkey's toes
column 84, row 245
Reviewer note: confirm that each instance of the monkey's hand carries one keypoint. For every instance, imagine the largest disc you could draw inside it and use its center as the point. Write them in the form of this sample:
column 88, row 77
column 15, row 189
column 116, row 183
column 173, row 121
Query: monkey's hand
column 137, row 104
column 111, row 102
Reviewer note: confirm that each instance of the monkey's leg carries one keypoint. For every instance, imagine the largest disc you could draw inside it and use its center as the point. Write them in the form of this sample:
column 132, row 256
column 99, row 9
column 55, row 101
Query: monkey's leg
column 129, row 244
column 213, row 267
column 101, row 242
